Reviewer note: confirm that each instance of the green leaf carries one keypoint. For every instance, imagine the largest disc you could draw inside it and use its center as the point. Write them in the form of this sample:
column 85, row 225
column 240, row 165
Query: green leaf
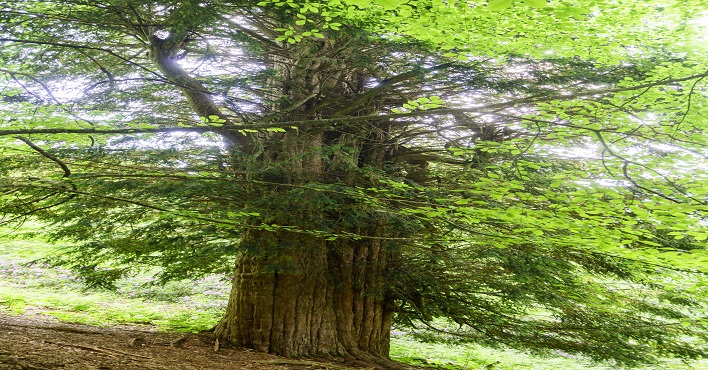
column 497, row 5
column 390, row 4
column 363, row 4
column 276, row 129
column 536, row 3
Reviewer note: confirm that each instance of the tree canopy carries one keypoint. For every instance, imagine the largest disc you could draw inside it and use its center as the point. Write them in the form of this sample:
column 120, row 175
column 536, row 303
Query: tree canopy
column 523, row 173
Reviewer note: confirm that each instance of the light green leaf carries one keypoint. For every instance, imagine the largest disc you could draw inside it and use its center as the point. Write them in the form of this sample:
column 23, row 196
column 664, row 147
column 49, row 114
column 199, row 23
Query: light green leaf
column 390, row 4
column 497, row 5
column 360, row 3
column 536, row 3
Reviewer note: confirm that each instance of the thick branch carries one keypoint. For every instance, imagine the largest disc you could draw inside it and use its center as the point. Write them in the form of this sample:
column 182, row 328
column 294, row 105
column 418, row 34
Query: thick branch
column 197, row 95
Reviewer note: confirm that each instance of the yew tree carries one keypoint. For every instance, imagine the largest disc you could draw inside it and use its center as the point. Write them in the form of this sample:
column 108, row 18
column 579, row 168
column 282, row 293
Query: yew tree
column 521, row 173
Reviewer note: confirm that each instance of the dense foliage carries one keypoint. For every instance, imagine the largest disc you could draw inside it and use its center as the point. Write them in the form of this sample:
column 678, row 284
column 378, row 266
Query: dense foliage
column 537, row 167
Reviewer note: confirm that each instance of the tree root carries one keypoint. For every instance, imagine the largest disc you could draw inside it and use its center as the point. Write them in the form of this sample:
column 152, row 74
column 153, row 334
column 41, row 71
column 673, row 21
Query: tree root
column 310, row 364
column 108, row 351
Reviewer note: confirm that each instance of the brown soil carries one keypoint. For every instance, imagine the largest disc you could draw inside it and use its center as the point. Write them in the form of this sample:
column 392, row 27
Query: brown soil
column 35, row 341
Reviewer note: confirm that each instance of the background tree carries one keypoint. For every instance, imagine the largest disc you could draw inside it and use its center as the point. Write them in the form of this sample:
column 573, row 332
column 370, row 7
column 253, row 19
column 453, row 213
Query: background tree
column 529, row 171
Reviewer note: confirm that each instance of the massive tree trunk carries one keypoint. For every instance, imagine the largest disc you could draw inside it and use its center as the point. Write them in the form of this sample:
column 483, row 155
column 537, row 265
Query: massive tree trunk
column 297, row 294
column 330, row 303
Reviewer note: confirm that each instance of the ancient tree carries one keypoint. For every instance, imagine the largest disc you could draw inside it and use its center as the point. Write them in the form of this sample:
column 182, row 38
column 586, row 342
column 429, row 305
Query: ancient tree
column 491, row 170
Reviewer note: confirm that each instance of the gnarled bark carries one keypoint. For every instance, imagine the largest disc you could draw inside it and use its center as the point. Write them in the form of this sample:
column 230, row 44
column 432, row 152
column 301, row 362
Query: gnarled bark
column 330, row 302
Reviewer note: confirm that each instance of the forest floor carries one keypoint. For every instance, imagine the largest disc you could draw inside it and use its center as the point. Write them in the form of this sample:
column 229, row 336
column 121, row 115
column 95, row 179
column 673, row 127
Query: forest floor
column 33, row 341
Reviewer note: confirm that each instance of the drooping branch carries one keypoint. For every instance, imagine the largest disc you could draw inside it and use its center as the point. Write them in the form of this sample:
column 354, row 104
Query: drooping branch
column 386, row 85
column 73, row 192
column 34, row 79
column 77, row 47
column 625, row 172
column 67, row 173
column 93, row 131
column 103, row 69
column 94, row 22
column 64, row 167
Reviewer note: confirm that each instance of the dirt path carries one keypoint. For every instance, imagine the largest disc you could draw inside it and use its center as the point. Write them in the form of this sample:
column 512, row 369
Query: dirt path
column 38, row 342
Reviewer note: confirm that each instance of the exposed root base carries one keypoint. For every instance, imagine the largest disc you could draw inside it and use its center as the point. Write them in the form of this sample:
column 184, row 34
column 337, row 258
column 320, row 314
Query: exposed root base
column 343, row 363
column 356, row 359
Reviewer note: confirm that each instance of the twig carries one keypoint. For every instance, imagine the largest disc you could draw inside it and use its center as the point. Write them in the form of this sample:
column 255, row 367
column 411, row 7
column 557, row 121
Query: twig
column 179, row 341
column 108, row 351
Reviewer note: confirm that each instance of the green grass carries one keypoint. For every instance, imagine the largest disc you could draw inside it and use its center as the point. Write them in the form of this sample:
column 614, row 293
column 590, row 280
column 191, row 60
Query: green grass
column 192, row 306
column 462, row 357
column 12, row 303
column 103, row 308
column 455, row 357
column 178, row 306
